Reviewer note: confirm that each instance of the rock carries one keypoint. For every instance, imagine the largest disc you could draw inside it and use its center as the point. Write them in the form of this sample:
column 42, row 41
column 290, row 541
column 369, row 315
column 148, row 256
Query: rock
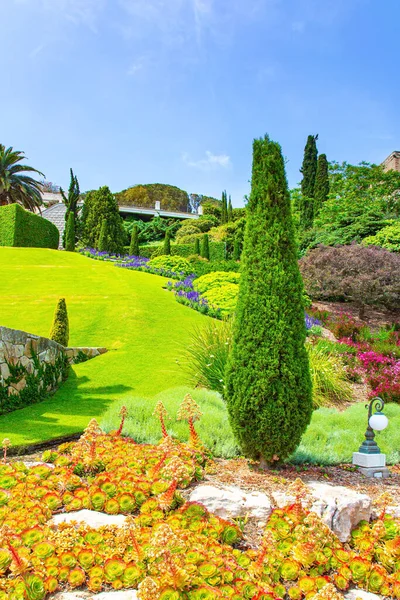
column 120, row 595
column 76, row 595
column 35, row 463
column 90, row 517
column 5, row 371
column 360, row 594
column 231, row 501
column 339, row 507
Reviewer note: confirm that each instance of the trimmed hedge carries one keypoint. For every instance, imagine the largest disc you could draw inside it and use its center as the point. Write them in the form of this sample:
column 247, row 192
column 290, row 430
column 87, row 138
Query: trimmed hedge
column 217, row 250
column 21, row 228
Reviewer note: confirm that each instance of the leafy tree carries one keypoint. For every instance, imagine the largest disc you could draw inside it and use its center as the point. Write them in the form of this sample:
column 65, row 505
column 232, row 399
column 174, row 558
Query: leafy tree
column 134, row 247
column 15, row 187
column 363, row 275
column 268, row 380
column 197, row 246
column 230, row 210
column 70, row 233
column 388, row 238
column 205, row 247
column 362, row 200
column 102, row 206
column 71, row 202
column 224, row 209
column 170, row 197
column 309, row 171
column 212, row 209
column 321, row 190
column 167, row 243
column 60, row 329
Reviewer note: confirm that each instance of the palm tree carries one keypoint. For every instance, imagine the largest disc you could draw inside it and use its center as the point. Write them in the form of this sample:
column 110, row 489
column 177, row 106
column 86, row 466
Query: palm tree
column 15, row 187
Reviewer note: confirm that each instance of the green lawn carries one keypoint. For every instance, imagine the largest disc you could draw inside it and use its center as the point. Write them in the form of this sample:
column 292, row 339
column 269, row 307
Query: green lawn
column 141, row 324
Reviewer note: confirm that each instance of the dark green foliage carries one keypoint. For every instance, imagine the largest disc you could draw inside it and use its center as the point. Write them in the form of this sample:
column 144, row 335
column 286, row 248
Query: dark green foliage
column 205, row 247
column 134, row 247
column 212, row 208
column 71, row 202
column 230, row 210
column 70, row 233
column 167, row 243
column 153, row 230
column 146, row 196
column 236, row 250
column 224, row 208
column 321, row 189
column 102, row 244
column 216, row 249
column 102, row 206
column 60, row 329
column 15, row 185
column 268, row 378
column 309, row 171
column 21, row 228
column 197, row 246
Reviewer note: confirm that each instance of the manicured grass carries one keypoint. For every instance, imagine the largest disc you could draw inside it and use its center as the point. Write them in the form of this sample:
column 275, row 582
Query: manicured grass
column 143, row 326
column 213, row 427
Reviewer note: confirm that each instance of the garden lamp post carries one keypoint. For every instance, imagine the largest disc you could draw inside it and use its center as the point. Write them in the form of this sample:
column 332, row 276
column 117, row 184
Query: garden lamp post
column 369, row 458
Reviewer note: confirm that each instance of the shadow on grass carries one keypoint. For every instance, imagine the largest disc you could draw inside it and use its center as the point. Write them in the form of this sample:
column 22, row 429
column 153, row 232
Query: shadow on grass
column 68, row 411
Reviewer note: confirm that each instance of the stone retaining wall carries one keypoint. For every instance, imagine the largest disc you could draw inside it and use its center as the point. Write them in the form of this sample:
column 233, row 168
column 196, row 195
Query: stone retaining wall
column 31, row 367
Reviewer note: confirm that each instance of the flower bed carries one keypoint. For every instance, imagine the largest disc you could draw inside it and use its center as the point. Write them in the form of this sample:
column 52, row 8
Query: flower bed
column 169, row 549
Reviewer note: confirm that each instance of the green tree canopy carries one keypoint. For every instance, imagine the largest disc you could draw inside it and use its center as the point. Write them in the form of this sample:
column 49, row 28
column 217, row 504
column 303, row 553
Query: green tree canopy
column 102, row 206
column 146, row 195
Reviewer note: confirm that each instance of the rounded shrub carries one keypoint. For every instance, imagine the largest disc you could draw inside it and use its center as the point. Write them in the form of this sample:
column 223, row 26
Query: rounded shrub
column 223, row 297
column 214, row 280
column 178, row 264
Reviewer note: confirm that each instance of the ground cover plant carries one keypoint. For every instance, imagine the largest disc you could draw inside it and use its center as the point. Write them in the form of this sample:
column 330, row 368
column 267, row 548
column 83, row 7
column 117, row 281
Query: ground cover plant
column 128, row 312
column 170, row 549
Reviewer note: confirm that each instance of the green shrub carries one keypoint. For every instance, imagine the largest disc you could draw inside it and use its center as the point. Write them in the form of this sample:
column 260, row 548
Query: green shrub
column 205, row 247
column 21, row 228
column 388, row 238
column 167, row 243
column 171, row 263
column 217, row 250
column 60, row 329
column 329, row 377
column 134, row 246
column 197, row 247
column 200, row 266
column 214, row 280
column 102, row 206
column 102, row 243
column 224, row 297
column 188, row 228
column 268, row 384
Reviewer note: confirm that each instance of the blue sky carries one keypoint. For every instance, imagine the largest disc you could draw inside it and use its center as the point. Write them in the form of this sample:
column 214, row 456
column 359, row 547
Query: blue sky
column 174, row 91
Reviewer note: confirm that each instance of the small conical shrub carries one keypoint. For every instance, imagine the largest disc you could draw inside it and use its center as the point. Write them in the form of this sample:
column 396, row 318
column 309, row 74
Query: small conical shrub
column 205, row 247
column 197, row 246
column 70, row 233
column 103, row 239
column 268, row 384
column 236, row 250
column 60, row 329
column 167, row 242
column 134, row 247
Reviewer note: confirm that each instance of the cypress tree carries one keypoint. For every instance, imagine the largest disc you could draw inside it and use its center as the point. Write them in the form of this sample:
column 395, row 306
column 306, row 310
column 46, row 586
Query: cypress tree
column 102, row 246
column 224, row 209
column 134, row 247
column 60, row 329
column 268, row 380
column 167, row 242
column 230, row 211
column 103, row 206
column 309, row 171
column 321, row 183
column 71, row 203
column 205, row 247
column 236, row 250
column 70, row 233
column 197, row 246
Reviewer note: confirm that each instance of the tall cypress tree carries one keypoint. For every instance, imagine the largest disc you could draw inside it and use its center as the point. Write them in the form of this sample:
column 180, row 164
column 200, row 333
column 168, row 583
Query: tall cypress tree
column 268, row 380
column 103, row 206
column 134, row 247
column 205, row 247
column 103, row 239
column 321, row 191
column 224, row 209
column 236, row 249
column 167, row 242
column 230, row 210
column 71, row 203
column 197, row 246
column 309, row 171
column 70, row 233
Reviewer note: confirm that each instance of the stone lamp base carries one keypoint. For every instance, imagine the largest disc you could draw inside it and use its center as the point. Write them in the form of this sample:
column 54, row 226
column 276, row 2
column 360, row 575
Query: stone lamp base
column 371, row 465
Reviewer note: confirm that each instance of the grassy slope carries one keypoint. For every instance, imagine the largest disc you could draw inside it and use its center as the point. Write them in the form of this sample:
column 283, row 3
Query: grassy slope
column 143, row 326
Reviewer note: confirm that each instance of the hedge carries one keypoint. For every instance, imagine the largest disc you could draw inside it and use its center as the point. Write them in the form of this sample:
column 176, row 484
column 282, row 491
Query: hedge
column 21, row 228
column 217, row 250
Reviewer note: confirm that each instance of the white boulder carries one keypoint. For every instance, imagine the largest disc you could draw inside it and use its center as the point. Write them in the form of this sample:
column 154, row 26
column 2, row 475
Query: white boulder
column 92, row 518
column 361, row 595
column 232, row 501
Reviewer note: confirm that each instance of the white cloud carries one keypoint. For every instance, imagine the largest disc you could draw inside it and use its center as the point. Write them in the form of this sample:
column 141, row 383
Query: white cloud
column 212, row 161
